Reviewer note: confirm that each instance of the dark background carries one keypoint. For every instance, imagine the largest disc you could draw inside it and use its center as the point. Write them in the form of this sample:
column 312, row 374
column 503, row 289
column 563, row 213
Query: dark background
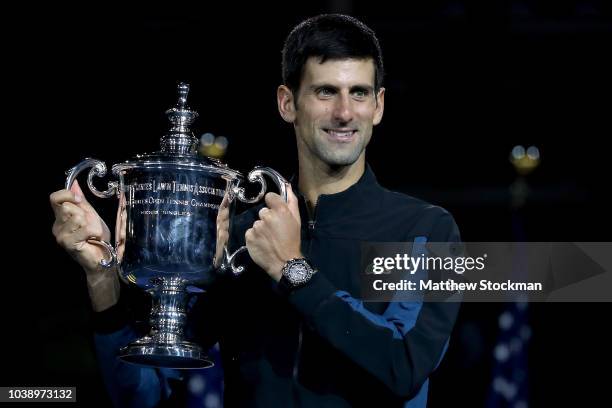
column 466, row 81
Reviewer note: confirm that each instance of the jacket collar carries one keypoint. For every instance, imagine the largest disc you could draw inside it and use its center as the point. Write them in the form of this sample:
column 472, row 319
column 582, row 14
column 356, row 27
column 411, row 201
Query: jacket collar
column 357, row 199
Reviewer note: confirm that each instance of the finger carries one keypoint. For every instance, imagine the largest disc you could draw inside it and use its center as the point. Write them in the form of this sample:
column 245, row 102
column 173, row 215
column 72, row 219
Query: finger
column 223, row 215
column 292, row 202
column 68, row 210
column 59, row 197
column 75, row 222
column 274, row 201
column 78, row 230
column 263, row 212
column 222, row 237
column 123, row 229
column 222, row 225
column 225, row 201
column 83, row 203
column 248, row 235
column 66, row 236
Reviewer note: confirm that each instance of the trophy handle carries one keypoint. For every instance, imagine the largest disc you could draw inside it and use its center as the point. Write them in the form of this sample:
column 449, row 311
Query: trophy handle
column 98, row 169
column 255, row 175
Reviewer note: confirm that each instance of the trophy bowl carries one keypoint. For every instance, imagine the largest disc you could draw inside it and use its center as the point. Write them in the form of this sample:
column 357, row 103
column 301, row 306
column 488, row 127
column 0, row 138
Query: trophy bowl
column 168, row 231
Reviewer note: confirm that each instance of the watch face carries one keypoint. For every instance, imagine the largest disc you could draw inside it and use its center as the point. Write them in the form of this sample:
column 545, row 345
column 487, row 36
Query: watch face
column 298, row 272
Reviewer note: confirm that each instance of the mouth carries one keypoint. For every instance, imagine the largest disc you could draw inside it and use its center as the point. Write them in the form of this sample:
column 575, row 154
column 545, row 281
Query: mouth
column 340, row 135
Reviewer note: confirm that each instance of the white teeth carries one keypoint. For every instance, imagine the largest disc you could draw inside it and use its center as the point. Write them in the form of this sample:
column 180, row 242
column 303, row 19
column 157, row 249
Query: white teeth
column 339, row 133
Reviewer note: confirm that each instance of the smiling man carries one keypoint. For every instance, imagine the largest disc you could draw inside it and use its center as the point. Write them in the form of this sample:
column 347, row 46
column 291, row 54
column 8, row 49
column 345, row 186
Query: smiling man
column 349, row 353
column 338, row 106
column 293, row 329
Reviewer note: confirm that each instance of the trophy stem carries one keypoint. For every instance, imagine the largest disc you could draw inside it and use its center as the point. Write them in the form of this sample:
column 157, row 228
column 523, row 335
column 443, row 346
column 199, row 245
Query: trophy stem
column 168, row 314
column 165, row 346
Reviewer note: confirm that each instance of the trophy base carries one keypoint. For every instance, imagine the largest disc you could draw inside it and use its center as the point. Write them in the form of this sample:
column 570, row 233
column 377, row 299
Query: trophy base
column 181, row 355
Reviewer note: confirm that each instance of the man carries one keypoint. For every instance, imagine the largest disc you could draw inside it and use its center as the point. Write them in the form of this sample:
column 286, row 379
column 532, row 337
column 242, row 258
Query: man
column 292, row 329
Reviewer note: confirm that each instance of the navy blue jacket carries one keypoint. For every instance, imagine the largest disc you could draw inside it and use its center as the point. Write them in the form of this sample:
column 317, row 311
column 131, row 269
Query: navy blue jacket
column 320, row 345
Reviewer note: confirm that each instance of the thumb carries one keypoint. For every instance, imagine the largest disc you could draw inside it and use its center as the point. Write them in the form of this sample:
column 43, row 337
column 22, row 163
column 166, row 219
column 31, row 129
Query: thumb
column 80, row 197
column 292, row 202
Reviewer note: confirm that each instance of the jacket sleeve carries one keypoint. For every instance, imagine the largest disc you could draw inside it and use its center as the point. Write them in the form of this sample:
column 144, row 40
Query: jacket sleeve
column 396, row 348
column 130, row 385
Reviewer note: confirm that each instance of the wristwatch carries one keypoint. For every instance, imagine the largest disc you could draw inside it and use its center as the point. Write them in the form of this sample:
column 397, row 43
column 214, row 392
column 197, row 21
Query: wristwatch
column 296, row 273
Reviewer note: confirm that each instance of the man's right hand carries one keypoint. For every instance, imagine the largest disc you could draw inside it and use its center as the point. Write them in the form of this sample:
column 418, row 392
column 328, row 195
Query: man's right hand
column 75, row 222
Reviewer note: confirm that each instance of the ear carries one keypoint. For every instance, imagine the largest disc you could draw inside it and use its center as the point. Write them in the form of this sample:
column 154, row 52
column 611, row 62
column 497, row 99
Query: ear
column 380, row 106
column 286, row 105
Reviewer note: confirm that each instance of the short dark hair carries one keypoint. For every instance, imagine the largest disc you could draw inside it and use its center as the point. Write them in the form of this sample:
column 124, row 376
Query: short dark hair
column 329, row 37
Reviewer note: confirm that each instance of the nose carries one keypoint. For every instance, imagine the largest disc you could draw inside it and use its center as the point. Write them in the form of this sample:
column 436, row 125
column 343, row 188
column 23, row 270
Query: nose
column 343, row 111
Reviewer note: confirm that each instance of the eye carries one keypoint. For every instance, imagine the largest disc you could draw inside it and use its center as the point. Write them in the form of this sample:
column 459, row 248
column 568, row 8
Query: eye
column 360, row 93
column 325, row 92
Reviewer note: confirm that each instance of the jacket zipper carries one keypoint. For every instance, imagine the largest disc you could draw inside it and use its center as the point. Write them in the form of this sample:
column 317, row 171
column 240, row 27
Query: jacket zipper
column 311, row 227
column 312, row 221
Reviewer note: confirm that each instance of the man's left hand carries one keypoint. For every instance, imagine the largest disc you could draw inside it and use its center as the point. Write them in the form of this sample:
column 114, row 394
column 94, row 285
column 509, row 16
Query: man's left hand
column 275, row 237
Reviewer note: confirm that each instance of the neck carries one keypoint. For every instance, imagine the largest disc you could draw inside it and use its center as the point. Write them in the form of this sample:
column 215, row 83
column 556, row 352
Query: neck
column 316, row 178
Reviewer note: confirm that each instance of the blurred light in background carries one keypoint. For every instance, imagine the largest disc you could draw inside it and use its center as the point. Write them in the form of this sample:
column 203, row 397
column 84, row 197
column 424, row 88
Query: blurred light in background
column 525, row 161
column 213, row 146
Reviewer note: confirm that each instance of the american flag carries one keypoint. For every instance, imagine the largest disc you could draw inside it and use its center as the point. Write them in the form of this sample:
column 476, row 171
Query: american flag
column 509, row 386
column 205, row 386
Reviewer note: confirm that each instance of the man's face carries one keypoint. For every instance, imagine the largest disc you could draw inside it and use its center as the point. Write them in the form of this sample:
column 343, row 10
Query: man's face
column 336, row 110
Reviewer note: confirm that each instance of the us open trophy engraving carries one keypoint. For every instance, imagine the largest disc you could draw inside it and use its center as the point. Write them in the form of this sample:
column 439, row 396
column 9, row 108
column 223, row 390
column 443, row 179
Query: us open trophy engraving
column 166, row 232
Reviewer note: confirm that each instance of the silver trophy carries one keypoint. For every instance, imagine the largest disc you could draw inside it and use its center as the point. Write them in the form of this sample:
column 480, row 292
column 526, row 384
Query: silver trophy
column 167, row 231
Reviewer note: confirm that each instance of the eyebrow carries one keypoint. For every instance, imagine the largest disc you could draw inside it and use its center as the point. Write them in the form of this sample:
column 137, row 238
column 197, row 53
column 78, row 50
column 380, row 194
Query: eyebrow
column 358, row 87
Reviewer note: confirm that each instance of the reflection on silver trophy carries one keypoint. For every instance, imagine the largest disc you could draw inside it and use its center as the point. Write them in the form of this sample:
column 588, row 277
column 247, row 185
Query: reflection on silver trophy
column 167, row 235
